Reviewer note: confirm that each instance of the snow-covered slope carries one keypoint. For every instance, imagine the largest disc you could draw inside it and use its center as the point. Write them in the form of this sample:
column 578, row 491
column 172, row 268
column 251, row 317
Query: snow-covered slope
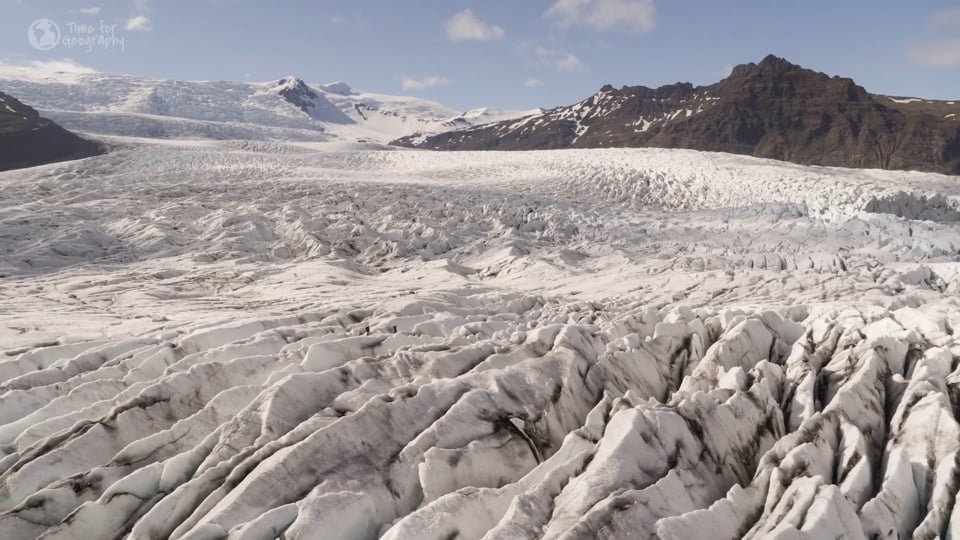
column 254, row 340
column 488, row 115
column 287, row 109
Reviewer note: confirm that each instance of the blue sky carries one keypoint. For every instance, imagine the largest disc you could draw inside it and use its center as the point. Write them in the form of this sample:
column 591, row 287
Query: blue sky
column 513, row 54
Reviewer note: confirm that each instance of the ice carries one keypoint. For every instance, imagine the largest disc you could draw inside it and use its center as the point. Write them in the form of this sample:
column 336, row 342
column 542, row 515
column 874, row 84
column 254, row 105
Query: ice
column 288, row 109
column 267, row 339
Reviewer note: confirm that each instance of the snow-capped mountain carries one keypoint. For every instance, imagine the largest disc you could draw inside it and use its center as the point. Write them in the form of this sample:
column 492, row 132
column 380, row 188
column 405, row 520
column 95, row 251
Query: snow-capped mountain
column 287, row 109
column 772, row 109
column 487, row 115
column 299, row 94
column 27, row 139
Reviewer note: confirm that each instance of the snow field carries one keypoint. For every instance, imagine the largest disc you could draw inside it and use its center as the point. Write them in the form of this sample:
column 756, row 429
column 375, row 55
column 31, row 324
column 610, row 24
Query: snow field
column 262, row 339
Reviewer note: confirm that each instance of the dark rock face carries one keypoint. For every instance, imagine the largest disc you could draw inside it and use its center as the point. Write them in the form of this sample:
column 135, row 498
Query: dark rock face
column 300, row 95
column 27, row 140
column 297, row 93
column 773, row 109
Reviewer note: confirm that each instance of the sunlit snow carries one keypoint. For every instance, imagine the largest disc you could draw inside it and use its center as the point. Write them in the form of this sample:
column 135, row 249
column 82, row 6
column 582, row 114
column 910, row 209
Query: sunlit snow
column 261, row 339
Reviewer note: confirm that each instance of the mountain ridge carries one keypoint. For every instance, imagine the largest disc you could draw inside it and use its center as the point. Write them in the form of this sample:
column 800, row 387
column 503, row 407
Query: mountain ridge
column 771, row 109
column 27, row 139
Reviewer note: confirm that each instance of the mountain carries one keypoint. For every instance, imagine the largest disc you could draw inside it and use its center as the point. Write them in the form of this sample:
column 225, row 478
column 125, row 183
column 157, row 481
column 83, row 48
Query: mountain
column 27, row 139
column 300, row 95
column 773, row 109
column 286, row 109
column 487, row 115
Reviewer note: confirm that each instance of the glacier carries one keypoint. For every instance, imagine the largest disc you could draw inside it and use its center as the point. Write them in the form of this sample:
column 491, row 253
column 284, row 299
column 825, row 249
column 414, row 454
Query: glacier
column 284, row 110
column 263, row 339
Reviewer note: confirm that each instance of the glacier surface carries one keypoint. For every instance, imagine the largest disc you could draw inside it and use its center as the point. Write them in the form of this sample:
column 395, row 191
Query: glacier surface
column 259, row 340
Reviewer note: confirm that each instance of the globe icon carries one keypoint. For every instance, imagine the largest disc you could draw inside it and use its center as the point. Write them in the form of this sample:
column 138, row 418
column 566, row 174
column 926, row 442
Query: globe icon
column 43, row 34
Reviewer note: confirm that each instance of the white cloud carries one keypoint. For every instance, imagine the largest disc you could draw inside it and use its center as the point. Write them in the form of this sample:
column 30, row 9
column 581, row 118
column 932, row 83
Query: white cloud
column 727, row 70
column 141, row 21
column 138, row 23
column 338, row 19
column 944, row 53
column 95, row 10
column 569, row 63
column 635, row 15
column 561, row 61
column 424, row 83
column 43, row 69
column 532, row 83
column 465, row 26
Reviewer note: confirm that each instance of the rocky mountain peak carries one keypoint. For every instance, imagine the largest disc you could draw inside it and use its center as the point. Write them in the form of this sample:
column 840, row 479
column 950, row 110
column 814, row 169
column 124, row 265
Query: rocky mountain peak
column 770, row 66
column 291, row 81
column 29, row 139
column 776, row 64
column 296, row 91
column 772, row 109
column 299, row 94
